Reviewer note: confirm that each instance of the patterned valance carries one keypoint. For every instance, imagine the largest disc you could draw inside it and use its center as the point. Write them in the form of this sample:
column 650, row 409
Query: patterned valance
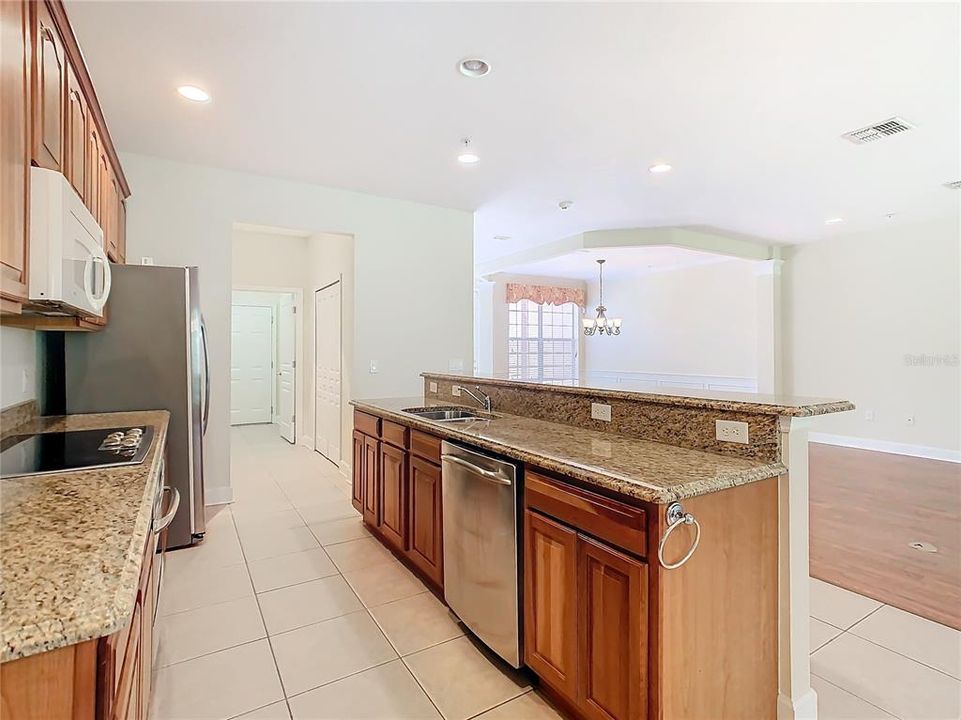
column 546, row 294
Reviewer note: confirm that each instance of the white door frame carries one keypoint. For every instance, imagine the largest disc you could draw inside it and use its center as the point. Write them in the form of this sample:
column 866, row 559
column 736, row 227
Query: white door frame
column 299, row 336
column 340, row 358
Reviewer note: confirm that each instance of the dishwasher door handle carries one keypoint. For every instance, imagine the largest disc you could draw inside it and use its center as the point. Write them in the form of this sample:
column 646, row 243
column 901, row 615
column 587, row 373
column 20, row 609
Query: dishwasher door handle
column 486, row 474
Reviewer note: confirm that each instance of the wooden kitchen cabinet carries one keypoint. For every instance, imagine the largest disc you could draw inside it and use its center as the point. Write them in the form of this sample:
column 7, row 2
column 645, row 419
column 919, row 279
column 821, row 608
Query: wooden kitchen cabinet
column 49, row 117
column 371, row 482
column 15, row 152
column 550, row 606
column 426, row 526
column 49, row 78
column 76, row 166
column 393, row 495
column 357, row 475
column 586, row 620
column 396, row 486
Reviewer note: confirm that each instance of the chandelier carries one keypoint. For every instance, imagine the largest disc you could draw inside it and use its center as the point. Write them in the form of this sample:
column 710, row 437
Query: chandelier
column 601, row 324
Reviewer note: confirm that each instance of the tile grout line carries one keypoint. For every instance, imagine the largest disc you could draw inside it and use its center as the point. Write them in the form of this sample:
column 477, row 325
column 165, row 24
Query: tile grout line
column 852, row 694
column 263, row 620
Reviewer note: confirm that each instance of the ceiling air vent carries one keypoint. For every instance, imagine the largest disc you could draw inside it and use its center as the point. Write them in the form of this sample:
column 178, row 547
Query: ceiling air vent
column 878, row 131
column 953, row 185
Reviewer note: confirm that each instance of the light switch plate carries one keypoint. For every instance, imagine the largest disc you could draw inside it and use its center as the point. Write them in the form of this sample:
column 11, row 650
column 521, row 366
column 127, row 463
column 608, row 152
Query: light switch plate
column 731, row 431
column 601, row 411
column 455, row 390
column 373, row 367
column 433, row 386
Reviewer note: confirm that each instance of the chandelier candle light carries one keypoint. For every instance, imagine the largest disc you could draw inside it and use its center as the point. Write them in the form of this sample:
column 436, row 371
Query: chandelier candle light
column 601, row 324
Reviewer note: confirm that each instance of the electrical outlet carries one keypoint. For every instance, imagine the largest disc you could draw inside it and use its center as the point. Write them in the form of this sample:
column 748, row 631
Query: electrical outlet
column 731, row 431
column 869, row 415
column 600, row 411
column 146, row 260
column 373, row 367
column 455, row 390
column 433, row 386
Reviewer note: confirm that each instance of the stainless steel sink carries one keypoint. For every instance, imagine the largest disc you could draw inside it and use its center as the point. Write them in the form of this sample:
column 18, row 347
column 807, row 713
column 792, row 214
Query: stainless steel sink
column 441, row 414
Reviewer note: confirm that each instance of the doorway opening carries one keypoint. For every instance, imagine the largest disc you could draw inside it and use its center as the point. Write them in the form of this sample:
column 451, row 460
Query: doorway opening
column 263, row 358
column 328, row 378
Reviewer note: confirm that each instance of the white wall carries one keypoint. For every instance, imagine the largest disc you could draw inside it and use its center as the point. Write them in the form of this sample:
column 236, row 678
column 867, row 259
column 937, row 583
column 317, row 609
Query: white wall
column 330, row 257
column 699, row 320
column 413, row 270
column 855, row 307
column 18, row 355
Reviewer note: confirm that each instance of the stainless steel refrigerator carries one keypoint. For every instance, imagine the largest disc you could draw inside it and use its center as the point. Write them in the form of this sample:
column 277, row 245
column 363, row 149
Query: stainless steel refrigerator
column 152, row 355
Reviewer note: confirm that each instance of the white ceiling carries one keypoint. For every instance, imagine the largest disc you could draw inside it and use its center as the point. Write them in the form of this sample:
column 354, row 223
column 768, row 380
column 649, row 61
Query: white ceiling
column 620, row 262
column 746, row 101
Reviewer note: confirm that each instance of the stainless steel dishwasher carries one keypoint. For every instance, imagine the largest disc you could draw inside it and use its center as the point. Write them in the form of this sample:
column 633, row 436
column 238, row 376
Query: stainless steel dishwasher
column 481, row 537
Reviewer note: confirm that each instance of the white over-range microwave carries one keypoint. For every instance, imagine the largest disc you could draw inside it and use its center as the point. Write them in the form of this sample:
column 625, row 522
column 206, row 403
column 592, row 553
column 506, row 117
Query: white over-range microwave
column 68, row 272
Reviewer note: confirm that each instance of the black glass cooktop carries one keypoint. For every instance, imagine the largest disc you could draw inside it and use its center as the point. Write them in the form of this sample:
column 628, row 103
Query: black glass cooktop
column 53, row 452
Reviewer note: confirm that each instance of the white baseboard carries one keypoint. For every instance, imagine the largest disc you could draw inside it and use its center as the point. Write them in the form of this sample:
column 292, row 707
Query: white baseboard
column 886, row 446
column 218, row 496
column 803, row 708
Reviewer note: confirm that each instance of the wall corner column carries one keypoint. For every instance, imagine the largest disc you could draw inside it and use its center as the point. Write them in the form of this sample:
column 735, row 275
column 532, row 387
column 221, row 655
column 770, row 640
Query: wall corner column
column 797, row 700
column 769, row 339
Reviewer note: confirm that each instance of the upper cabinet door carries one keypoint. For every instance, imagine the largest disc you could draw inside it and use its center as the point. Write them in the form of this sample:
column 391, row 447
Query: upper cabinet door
column 93, row 170
column 75, row 155
column 48, row 90
column 14, row 150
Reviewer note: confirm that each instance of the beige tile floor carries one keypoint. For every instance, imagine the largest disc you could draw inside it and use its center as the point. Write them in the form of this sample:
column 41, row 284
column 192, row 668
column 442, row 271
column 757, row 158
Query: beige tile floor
column 290, row 610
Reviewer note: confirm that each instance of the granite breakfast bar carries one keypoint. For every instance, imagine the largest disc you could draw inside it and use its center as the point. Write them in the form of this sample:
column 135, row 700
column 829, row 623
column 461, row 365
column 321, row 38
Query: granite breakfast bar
column 724, row 635
column 77, row 579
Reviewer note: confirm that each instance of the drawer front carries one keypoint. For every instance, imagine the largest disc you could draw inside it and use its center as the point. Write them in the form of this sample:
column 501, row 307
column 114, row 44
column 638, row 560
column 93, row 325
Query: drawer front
column 393, row 433
column 617, row 523
column 367, row 424
column 425, row 446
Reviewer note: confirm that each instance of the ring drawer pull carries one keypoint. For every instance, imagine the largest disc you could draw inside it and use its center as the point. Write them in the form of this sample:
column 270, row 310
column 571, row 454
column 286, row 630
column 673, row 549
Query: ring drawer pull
column 675, row 518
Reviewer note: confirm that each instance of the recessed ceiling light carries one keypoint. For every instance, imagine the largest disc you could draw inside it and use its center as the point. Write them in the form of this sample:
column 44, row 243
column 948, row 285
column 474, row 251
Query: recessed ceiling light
column 833, row 221
column 502, row 237
column 565, row 204
column 467, row 155
column 659, row 168
column 194, row 93
column 474, row 67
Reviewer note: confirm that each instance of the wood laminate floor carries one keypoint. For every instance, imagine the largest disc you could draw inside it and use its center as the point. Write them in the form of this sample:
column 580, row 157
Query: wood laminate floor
column 867, row 508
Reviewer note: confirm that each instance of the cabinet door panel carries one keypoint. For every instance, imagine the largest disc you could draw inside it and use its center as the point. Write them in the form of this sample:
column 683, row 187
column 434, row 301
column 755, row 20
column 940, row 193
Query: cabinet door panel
column 393, row 495
column 357, row 473
column 14, row 148
column 371, row 482
column 612, row 623
column 425, row 537
column 93, row 170
column 48, row 86
column 121, row 227
column 550, row 605
column 75, row 156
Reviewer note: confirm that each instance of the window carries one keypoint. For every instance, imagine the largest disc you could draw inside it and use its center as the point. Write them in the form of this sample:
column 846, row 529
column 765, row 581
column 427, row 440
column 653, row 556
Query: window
column 542, row 341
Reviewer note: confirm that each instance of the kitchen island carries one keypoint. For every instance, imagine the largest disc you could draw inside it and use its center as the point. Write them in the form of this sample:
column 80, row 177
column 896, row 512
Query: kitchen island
column 621, row 620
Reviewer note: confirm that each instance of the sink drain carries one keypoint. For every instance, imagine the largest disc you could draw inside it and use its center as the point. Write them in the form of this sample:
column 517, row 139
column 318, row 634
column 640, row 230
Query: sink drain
column 924, row 547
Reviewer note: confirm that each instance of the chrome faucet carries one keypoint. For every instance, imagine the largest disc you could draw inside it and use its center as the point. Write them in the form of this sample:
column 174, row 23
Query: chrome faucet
column 480, row 396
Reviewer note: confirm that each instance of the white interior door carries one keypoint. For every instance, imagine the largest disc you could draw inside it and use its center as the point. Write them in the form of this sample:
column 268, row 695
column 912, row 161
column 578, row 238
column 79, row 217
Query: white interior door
column 286, row 353
column 251, row 375
column 327, row 371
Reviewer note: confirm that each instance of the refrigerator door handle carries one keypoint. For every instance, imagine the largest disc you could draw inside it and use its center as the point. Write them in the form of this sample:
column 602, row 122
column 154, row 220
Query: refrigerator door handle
column 206, row 413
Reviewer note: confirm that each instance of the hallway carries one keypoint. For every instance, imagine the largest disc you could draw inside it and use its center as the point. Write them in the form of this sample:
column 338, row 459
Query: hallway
column 288, row 603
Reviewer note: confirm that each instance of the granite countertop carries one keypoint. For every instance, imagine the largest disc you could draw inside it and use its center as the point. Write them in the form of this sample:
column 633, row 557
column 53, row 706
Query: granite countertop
column 71, row 544
column 651, row 471
column 787, row 405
